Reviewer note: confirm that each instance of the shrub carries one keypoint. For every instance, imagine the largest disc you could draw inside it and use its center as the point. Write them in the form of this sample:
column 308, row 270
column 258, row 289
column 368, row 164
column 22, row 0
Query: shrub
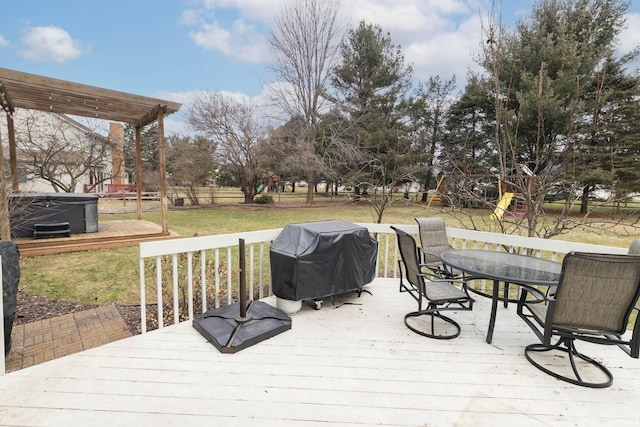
column 263, row 199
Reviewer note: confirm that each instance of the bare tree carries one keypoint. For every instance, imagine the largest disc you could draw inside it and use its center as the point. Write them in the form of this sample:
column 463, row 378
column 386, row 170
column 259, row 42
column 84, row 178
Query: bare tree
column 236, row 129
column 62, row 151
column 190, row 164
column 304, row 44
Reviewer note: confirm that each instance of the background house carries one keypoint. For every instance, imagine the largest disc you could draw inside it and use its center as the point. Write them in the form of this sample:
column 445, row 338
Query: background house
column 56, row 153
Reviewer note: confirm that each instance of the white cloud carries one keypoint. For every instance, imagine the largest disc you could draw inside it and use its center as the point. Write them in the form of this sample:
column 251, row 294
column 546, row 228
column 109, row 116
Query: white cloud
column 177, row 123
column 240, row 41
column 50, row 44
column 447, row 52
column 433, row 33
column 187, row 98
column 424, row 16
column 438, row 37
column 3, row 42
column 630, row 36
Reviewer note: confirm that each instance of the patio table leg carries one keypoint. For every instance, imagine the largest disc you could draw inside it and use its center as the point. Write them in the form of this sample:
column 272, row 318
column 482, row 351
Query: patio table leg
column 494, row 308
column 505, row 295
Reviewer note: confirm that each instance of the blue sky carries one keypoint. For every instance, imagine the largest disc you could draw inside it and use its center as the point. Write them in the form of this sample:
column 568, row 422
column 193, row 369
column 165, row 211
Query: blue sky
column 175, row 49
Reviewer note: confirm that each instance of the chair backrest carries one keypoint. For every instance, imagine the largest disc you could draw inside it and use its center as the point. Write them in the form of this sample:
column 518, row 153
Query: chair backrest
column 634, row 249
column 433, row 238
column 410, row 259
column 596, row 292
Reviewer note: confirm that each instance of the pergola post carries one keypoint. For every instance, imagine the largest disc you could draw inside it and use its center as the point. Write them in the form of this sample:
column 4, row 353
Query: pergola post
column 138, row 173
column 13, row 158
column 163, row 173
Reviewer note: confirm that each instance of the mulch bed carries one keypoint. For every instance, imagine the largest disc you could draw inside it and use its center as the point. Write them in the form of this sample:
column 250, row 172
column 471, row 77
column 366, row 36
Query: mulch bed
column 31, row 308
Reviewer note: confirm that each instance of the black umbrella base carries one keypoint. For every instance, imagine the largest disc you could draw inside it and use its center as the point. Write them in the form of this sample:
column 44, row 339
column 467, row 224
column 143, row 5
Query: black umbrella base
column 228, row 332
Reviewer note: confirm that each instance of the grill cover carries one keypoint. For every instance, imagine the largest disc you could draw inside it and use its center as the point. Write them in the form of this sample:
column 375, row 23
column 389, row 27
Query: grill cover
column 320, row 259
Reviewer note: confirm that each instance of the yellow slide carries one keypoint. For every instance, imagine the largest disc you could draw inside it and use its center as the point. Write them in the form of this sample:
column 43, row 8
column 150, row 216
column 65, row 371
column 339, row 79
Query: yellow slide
column 503, row 204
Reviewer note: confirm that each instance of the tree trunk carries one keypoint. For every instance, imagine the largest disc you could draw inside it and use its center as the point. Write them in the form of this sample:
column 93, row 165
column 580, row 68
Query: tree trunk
column 310, row 187
column 427, row 183
column 584, row 204
column 309, row 194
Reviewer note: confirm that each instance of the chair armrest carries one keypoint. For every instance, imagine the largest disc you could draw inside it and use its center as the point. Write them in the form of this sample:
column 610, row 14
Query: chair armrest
column 539, row 296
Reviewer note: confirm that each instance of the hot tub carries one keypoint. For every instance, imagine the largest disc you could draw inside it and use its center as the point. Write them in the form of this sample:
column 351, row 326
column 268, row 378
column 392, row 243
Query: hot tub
column 79, row 210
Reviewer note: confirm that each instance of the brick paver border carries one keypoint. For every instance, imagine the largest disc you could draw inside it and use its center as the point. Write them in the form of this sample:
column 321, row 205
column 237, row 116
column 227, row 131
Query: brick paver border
column 49, row 339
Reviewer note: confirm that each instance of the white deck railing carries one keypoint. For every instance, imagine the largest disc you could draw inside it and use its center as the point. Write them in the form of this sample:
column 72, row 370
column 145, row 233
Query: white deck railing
column 169, row 264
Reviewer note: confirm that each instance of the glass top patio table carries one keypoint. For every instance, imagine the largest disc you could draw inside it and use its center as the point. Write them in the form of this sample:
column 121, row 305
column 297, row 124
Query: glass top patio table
column 503, row 267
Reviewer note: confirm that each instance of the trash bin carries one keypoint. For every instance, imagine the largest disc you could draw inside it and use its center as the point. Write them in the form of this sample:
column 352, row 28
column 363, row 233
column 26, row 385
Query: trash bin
column 10, row 281
column 319, row 259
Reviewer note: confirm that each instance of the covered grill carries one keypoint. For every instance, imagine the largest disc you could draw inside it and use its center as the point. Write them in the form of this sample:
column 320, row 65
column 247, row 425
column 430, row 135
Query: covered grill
column 319, row 259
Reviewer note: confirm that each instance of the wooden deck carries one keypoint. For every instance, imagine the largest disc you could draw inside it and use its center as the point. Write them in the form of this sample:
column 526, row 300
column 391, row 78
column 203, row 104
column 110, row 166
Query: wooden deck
column 354, row 363
column 111, row 234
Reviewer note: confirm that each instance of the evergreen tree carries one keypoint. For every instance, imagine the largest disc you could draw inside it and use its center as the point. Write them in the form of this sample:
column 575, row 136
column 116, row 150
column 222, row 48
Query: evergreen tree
column 427, row 112
column 148, row 148
column 544, row 76
column 467, row 156
column 610, row 155
column 371, row 80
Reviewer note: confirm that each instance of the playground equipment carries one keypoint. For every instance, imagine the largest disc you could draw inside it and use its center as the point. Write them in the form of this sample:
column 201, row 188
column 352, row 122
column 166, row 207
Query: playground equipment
column 510, row 203
column 502, row 206
column 436, row 195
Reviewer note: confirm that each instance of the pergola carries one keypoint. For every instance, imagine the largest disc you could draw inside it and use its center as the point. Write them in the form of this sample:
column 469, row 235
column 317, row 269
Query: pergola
column 29, row 91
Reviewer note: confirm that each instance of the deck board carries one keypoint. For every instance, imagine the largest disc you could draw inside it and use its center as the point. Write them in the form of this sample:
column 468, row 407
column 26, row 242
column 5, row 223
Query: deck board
column 348, row 364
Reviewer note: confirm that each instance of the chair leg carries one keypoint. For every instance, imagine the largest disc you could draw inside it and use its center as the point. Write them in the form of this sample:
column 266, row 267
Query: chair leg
column 435, row 316
column 570, row 349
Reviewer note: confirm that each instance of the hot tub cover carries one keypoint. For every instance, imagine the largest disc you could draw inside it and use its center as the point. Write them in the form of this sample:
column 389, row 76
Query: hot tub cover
column 319, row 259
column 80, row 210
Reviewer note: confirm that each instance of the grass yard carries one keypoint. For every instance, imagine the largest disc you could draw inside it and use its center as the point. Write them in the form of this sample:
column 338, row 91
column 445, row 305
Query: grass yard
column 111, row 275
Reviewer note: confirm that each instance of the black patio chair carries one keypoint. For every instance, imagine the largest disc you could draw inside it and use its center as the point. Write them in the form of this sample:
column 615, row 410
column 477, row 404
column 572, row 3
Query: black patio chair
column 593, row 301
column 433, row 296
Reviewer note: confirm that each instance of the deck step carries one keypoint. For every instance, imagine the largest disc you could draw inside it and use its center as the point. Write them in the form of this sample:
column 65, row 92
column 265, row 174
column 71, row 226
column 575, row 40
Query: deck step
column 49, row 248
column 112, row 234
